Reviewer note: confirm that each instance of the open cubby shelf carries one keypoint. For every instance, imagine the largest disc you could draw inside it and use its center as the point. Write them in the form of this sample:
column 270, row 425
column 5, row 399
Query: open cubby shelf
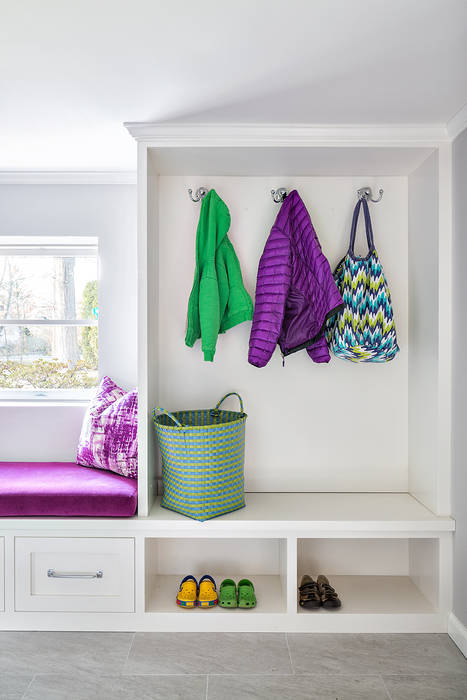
column 373, row 575
column 163, row 590
column 376, row 595
column 379, row 576
column 262, row 560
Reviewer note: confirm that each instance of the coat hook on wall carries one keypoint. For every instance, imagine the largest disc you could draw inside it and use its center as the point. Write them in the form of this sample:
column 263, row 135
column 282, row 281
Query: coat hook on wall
column 279, row 195
column 199, row 194
column 365, row 193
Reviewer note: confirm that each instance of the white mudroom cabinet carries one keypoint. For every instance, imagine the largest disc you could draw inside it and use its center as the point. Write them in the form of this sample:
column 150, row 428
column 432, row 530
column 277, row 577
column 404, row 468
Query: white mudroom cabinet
column 347, row 466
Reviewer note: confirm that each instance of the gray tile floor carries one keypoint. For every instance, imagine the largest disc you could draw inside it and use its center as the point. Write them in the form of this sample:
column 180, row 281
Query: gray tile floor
column 152, row 666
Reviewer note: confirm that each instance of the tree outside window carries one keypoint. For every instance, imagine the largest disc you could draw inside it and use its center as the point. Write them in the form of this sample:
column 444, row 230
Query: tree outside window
column 48, row 317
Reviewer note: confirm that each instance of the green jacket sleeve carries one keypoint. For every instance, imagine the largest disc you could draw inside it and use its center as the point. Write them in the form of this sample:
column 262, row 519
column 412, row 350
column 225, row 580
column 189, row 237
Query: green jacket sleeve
column 209, row 312
column 193, row 329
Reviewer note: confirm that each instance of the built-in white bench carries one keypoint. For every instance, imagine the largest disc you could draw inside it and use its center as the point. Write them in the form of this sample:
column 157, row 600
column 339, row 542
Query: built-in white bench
column 387, row 555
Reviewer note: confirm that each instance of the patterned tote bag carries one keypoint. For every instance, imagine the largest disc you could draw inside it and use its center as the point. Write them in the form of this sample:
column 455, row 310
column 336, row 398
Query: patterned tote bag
column 364, row 330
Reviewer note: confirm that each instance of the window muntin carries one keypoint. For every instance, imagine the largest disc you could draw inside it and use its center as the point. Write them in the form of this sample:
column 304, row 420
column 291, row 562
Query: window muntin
column 48, row 319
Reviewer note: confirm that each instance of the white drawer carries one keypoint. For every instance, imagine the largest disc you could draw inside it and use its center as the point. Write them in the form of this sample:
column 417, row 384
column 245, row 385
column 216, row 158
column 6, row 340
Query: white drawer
column 74, row 574
column 2, row 573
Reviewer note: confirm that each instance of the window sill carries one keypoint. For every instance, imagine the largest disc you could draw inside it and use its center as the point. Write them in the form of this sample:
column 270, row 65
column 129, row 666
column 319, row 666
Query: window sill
column 41, row 403
column 43, row 397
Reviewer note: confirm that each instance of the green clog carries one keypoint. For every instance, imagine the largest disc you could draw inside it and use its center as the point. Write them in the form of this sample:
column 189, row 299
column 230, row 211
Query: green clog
column 246, row 594
column 228, row 594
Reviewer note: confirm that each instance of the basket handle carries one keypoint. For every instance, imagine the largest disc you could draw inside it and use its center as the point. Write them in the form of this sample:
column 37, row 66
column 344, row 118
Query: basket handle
column 232, row 393
column 167, row 413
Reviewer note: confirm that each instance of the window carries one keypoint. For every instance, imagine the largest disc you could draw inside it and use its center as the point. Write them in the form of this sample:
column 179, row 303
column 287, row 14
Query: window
column 48, row 317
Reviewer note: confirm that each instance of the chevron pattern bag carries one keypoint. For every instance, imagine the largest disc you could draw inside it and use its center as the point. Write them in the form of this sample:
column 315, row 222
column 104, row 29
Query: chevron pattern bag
column 364, row 330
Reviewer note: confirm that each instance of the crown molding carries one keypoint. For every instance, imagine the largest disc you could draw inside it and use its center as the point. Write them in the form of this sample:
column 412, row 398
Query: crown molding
column 299, row 135
column 67, row 177
column 457, row 123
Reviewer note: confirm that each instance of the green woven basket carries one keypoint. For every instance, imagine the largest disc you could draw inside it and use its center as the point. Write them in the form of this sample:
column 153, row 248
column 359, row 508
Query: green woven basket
column 202, row 460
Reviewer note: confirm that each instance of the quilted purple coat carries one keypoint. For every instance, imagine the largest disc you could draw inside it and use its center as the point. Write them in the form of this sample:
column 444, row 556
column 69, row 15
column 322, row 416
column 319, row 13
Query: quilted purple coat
column 295, row 289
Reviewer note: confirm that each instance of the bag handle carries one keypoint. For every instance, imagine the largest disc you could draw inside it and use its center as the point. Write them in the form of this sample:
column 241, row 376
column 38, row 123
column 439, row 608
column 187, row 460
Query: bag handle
column 232, row 393
column 167, row 413
column 368, row 226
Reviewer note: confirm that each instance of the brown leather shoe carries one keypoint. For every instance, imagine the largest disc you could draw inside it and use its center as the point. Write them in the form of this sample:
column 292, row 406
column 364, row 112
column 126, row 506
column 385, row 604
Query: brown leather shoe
column 328, row 596
column 309, row 593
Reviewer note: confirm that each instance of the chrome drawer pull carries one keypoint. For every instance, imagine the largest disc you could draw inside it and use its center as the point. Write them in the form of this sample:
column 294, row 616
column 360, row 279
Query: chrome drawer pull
column 51, row 573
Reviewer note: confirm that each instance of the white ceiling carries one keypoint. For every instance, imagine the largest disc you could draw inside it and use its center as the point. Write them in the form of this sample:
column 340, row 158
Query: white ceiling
column 72, row 72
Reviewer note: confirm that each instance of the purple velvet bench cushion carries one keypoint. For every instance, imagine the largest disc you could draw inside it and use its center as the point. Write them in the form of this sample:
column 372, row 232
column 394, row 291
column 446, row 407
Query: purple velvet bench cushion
column 64, row 489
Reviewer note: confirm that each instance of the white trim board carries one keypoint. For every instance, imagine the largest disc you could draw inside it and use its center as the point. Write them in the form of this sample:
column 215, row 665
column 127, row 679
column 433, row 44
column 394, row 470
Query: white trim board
column 458, row 633
column 299, row 135
column 62, row 177
column 457, row 123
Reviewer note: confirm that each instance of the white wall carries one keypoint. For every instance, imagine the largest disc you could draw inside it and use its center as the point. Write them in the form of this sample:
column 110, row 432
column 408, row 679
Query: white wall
column 459, row 378
column 335, row 557
column 28, row 432
column 336, row 427
column 423, row 332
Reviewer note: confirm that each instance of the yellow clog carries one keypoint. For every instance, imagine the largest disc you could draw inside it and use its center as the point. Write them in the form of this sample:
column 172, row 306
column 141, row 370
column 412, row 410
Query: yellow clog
column 207, row 594
column 186, row 596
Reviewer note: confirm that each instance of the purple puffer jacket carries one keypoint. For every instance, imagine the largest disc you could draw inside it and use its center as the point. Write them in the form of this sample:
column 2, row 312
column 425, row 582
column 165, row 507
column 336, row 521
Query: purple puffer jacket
column 295, row 289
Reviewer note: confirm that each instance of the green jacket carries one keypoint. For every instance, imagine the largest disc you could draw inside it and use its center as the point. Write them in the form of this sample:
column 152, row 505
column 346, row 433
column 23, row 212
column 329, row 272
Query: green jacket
column 218, row 300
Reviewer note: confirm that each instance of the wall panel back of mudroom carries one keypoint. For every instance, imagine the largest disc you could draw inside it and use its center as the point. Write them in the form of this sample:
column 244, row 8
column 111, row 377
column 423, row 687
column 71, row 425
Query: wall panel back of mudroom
column 335, row 427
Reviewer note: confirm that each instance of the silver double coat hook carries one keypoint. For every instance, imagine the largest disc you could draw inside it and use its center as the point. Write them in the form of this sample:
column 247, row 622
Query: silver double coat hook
column 279, row 195
column 199, row 194
column 366, row 193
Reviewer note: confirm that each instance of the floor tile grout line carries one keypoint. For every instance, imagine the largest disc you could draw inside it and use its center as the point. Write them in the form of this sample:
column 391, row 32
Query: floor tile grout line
column 197, row 674
column 307, row 676
column 128, row 654
column 290, row 655
column 385, row 687
column 426, row 675
column 28, row 686
column 254, row 675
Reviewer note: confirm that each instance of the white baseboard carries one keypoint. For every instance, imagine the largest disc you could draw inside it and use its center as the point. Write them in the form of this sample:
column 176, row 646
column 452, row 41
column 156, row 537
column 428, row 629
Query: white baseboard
column 458, row 633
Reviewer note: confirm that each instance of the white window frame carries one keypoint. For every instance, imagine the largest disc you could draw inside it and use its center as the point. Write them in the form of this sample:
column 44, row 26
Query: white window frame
column 71, row 246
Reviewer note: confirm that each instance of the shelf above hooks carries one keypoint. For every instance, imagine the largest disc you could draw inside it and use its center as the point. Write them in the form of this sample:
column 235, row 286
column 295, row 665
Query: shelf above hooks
column 366, row 193
column 199, row 194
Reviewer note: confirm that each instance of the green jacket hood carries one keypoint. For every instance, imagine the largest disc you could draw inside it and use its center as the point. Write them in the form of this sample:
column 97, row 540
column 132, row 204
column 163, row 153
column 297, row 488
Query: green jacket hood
column 214, row 214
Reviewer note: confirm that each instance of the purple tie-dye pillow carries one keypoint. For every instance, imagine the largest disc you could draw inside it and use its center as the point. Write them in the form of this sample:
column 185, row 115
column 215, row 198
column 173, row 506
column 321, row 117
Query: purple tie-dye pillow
column 108, row 437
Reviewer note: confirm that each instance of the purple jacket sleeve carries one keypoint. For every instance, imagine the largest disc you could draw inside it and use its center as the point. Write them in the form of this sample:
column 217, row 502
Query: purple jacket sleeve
column 319, row 351
column 272, row 286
